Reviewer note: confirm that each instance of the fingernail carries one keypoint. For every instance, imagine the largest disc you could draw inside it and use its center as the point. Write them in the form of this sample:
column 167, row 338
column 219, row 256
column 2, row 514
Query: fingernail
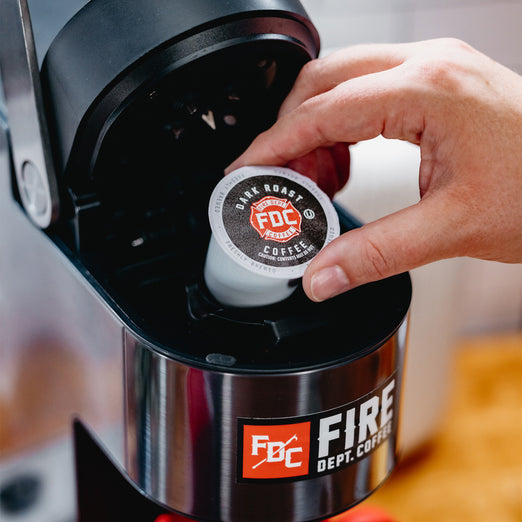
column 328, row 282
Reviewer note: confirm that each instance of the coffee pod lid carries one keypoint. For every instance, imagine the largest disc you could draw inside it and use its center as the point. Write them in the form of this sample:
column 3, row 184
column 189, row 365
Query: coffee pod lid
column 271, row 220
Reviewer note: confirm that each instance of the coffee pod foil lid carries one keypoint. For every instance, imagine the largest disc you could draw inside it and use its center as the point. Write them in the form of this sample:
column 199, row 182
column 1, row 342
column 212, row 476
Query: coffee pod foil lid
column 271, row 220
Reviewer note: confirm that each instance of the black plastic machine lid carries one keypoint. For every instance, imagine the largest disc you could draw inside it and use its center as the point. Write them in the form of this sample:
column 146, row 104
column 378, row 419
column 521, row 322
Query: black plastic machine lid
column 93, row 68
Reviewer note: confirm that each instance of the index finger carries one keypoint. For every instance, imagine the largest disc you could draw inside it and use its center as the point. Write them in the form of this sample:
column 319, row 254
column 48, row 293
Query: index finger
column 358, row 109
column 325, row 73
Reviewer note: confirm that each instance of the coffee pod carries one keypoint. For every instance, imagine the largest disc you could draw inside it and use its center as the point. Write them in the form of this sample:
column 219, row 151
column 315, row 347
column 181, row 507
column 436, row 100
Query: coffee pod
column 267, row 224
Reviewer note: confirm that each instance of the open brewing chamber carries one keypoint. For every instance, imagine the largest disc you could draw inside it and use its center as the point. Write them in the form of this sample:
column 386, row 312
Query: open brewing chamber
column 287, row 412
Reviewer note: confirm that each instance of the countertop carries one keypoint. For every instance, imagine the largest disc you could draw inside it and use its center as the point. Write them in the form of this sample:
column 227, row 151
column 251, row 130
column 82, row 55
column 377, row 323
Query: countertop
column 472, row 468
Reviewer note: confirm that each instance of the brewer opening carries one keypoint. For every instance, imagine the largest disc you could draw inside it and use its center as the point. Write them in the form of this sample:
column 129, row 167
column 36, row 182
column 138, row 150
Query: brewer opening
column 140, row 224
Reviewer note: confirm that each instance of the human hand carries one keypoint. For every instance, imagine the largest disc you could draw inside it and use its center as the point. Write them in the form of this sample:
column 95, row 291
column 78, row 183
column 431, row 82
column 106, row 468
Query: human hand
column 464, row 111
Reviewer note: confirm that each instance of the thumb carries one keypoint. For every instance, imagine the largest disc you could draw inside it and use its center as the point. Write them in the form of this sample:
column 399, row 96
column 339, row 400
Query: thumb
column 414, row 236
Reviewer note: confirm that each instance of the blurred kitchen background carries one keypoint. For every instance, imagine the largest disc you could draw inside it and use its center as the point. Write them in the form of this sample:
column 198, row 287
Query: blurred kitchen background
column 460, row 305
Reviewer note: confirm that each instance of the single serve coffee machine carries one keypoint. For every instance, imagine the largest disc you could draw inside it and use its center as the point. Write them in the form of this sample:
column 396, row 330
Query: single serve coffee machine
column 119, row 119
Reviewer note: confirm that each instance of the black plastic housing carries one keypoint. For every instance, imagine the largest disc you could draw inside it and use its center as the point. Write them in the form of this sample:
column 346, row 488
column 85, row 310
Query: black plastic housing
column 94, row 68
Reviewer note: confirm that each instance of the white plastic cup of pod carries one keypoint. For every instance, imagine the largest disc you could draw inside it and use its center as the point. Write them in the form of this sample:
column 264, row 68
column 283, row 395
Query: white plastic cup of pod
column 267, row 223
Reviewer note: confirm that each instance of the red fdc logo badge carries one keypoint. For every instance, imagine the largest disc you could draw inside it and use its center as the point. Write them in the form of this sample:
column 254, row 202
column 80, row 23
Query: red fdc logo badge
column 275, row 219
column 272, row 452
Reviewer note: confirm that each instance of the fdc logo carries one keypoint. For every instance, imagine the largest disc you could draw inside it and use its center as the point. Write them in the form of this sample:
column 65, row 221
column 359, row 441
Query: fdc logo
column 275, row 219
column 272, row 452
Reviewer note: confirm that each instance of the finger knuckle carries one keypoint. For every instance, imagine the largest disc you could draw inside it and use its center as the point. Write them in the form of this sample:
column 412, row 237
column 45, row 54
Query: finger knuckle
column 375, row 261
column 310, row 69
column 443, row 66
column 455, row 43
column 435, row 72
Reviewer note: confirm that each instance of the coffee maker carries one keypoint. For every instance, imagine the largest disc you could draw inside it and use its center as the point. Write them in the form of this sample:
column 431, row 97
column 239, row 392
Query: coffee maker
column 114, row 132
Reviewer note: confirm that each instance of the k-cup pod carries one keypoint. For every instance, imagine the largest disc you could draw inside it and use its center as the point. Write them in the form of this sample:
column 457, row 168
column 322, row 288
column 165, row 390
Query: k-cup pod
column 267, row 224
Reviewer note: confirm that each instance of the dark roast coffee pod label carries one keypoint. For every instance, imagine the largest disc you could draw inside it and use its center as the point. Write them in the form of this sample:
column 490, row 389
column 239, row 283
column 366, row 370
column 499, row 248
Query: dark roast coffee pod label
column 272, row 220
